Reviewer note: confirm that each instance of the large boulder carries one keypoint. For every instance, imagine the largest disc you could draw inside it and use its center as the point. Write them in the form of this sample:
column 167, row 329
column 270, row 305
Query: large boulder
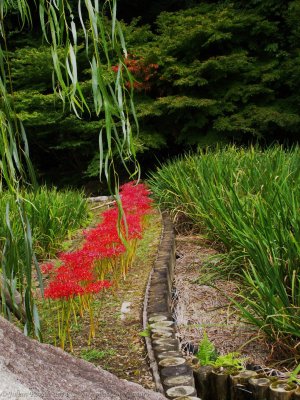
column 33, row 371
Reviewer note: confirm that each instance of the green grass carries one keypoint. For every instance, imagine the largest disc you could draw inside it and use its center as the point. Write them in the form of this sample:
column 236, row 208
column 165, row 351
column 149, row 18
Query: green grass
column 95, row 355
column 53, row 215
column 249, row 200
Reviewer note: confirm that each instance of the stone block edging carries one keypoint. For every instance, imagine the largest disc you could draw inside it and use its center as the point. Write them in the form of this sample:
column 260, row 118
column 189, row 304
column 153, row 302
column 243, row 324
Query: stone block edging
column 172, row 375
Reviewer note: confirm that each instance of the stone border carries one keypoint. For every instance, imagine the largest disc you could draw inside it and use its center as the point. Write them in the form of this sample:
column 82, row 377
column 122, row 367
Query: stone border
column 172, row 375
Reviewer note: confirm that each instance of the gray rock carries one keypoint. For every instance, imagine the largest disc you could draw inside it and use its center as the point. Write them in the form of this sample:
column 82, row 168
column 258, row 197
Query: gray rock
column 33, row 371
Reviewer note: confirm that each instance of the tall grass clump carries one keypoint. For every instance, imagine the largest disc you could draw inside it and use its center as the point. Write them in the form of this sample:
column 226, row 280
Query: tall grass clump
column 249, row 200
column 52, row 215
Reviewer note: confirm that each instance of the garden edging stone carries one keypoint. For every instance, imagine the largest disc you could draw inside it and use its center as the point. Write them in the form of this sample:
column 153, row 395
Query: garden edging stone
column 168, row 366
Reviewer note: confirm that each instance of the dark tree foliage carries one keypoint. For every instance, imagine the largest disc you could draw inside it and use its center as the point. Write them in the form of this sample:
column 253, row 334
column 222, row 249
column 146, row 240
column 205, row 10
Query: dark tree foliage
column 206, row 72
column 228, row 71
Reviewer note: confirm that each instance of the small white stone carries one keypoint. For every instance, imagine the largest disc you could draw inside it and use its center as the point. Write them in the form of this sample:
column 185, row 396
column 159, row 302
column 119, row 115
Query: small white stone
column 125, row 309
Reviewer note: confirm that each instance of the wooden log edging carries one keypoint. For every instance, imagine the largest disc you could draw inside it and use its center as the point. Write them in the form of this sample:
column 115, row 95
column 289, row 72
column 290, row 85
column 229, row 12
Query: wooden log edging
column 172, row 375
column 244, row 385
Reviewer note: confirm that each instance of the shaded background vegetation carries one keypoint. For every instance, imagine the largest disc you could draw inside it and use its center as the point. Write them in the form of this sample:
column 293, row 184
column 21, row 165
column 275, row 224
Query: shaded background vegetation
column 225, row 71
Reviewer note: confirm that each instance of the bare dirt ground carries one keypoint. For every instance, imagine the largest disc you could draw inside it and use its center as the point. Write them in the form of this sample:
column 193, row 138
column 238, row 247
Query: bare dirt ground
column 201, row 308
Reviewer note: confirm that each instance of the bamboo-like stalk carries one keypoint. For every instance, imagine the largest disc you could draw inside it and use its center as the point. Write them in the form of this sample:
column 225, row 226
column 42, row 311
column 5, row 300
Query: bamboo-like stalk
column 110, row 96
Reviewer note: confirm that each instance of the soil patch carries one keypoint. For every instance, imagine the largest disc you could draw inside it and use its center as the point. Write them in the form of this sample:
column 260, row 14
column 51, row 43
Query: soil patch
column 200, row 307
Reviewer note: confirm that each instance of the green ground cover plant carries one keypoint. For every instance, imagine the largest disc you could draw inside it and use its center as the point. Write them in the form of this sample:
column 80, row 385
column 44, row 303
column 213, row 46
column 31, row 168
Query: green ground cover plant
column 94, row 355
column 248, row 200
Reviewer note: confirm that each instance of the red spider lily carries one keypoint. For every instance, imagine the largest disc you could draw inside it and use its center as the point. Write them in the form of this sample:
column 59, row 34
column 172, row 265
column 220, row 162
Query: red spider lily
column 96, row 287
column 103, row 242
column 77, row 274
column 60, row 290
column 79, row 257
column 134, row 223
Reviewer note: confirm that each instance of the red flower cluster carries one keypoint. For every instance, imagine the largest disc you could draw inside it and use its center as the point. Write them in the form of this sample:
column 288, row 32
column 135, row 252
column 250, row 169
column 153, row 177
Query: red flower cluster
column 141, row 71
column 82, row 271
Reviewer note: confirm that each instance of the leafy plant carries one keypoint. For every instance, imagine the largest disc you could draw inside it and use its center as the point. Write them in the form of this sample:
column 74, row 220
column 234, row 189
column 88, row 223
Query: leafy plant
column 146, row 332
column 52, row 214
column 294, row 375
column 206, row 353
column 229, row 361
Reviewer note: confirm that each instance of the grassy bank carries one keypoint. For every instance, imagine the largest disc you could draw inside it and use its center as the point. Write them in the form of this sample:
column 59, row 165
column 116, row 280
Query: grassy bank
column 249, row 200
column 52, row 215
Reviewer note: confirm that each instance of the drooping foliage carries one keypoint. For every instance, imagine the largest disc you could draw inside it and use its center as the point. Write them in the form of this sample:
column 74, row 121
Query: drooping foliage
column 89, row 36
